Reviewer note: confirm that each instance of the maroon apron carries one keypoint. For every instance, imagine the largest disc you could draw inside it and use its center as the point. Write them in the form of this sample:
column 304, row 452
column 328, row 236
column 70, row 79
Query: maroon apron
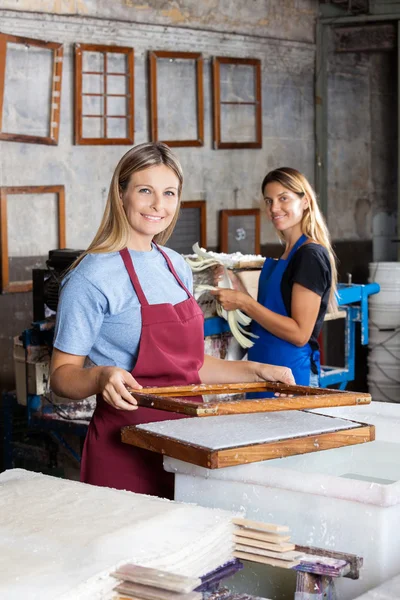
column 171, row 352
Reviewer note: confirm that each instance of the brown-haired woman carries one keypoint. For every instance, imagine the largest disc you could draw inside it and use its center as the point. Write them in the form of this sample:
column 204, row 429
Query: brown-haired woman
column 127, row 305
column 295, row 291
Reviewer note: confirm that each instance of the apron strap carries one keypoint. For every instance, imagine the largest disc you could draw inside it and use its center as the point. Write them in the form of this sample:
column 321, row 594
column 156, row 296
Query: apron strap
column 126, row 257
column 303, row 238
column 171, row 268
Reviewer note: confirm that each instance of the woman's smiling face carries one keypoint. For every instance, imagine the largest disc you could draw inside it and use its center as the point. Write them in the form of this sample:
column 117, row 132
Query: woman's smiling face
column 284, row 208
column 150, row 203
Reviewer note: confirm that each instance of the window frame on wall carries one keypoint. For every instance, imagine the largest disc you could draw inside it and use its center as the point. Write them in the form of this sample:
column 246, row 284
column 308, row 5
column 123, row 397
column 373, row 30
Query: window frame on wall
column 217, row 103
column 130, row 100
column 7, row 286
column 196, row 56
column 55, row 92
column 202, row 206
column 224, row 227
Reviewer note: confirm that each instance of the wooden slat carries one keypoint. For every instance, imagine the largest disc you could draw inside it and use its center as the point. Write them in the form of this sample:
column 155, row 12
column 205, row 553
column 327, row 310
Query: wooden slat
column 157, row 578
column 176, row 398
column 266, row 560
column 295, row 446
column 251, row 525
column 287, row 555
column 255, row 543
column 238, row 388
column 229, row 457
column 148, row 592
column 216, row 409
column 251, row 534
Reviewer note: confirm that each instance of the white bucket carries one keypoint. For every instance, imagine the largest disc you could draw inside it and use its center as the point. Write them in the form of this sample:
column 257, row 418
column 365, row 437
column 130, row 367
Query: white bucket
column 384, row 273
column 384, row 392
column 384, row 346
column 379, row 372
column 386, row 316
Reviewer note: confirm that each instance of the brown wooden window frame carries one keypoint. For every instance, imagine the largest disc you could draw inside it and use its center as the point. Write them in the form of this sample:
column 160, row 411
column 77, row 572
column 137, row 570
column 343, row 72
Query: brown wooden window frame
column 216, row 87
column 224, row 226
column 7, row 286
column 198, row 57
column 129, row 75
column 55, row 98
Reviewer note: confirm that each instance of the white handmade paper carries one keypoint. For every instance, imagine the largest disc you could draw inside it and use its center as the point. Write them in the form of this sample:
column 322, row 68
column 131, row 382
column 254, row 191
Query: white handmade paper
column 60, row 539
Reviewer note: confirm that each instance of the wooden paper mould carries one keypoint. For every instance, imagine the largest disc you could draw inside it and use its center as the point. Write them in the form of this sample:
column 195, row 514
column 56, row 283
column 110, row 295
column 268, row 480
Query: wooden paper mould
column 178, row 398
column 173, row 399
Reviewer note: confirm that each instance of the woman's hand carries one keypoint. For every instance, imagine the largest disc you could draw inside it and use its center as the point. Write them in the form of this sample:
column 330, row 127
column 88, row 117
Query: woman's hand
column 231, row 299
column 112, row 384
column 274, row 373
column 219, row 272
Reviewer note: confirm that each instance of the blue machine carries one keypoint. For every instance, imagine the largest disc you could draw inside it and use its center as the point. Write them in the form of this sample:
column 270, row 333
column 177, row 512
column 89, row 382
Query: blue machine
column 353, row 300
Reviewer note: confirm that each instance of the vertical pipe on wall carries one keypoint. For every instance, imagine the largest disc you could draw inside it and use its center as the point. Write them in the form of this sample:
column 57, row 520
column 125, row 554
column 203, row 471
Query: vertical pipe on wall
column 321, row 117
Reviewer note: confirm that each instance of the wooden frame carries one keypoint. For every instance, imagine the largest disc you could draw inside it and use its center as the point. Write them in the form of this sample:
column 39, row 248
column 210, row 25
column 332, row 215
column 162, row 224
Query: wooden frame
column 8, row 286
column 202, row 206
column 176, row 398
column 217, row 103
column 129, row 76
column 153, row 96
column 224, row 227
column 239, row 455
column 55, row 94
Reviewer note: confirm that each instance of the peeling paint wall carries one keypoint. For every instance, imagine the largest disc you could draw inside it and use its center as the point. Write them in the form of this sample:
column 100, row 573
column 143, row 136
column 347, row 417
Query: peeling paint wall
column 225, row 178
column 284, row 19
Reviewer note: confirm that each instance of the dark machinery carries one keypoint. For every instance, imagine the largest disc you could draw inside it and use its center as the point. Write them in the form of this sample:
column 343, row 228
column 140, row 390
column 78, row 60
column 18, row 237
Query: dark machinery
column 46, row 282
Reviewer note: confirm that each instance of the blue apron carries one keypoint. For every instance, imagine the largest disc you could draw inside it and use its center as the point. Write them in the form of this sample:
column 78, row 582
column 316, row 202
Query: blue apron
column 273, row 350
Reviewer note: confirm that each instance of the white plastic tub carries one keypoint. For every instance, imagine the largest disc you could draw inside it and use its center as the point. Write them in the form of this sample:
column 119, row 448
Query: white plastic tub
column 346, row 499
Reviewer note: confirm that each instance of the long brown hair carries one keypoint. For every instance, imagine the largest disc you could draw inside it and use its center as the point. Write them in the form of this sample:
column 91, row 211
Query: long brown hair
column 114, row 230
column 313, row 223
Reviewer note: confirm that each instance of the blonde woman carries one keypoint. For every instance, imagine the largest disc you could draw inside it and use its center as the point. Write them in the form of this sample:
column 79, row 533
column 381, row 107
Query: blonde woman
column 127, row 304
column 296, row 290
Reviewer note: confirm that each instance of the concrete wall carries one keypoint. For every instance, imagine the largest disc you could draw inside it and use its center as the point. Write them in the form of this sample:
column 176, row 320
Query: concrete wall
column 362, row 148
column 287, row 20
column 280, row 34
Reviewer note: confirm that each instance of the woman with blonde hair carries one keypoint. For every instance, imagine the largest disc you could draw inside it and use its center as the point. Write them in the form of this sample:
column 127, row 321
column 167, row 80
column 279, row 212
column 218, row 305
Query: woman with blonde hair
column 127, row 305
column 295, row 291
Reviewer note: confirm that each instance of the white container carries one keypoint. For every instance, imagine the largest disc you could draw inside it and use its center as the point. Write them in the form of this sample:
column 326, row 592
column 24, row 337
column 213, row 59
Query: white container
column 384, row 273
column 345, row 499
column 384, row 392
column 384, row 307
column 385, row 316
column 384, row 346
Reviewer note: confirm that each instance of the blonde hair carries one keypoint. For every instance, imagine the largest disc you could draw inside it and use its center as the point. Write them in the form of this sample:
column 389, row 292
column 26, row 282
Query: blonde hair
column 114, row 230
column 313, row 223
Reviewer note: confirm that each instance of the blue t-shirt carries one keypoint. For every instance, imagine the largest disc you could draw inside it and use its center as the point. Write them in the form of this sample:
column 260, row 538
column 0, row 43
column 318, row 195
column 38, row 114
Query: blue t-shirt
column 98, row 314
